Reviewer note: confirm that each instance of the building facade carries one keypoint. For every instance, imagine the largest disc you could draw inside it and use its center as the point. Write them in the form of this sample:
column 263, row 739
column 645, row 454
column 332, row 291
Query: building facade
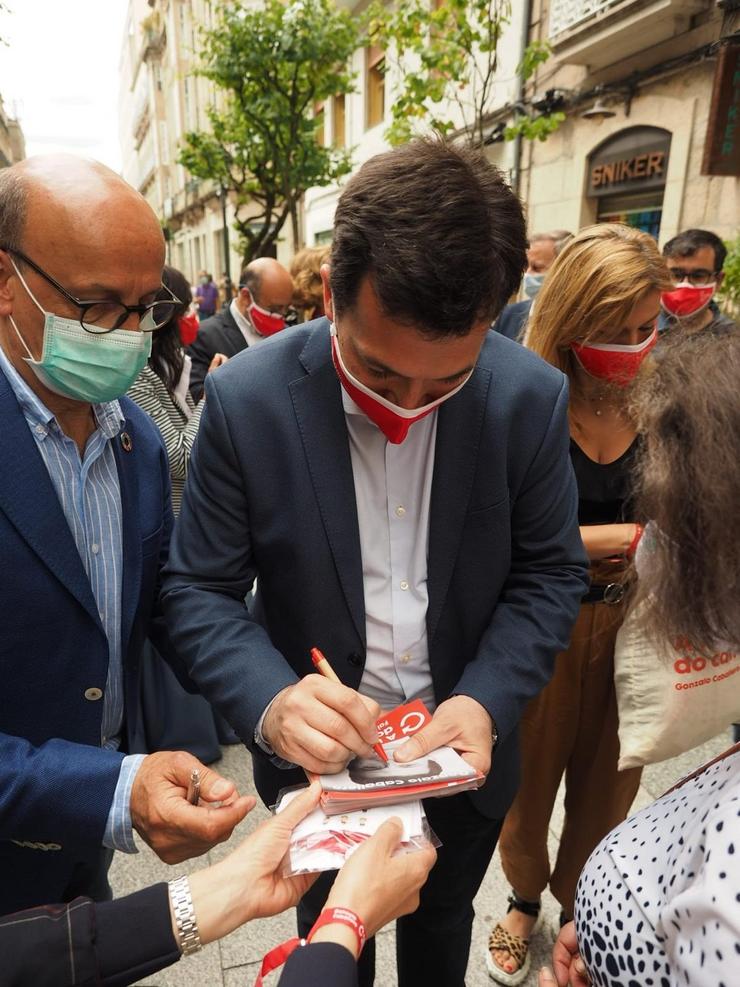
column 650, row 89
column 12, row 143
column 161, row 98
column 359, row 119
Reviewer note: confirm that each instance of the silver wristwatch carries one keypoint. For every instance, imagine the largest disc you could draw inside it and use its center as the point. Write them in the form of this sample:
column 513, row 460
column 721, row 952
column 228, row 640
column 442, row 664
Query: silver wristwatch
column 182, row 906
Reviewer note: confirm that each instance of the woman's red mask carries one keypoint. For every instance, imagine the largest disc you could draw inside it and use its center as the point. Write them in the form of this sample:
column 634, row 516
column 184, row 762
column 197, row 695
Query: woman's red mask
column 612, row 362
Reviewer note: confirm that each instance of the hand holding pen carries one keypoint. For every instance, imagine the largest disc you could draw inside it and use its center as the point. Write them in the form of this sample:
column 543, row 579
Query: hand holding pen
column 321, row 724
column 323, row 667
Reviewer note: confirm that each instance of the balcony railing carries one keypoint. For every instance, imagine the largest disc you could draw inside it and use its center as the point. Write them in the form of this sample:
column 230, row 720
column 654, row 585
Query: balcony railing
column 598, row 32
column 566, row 14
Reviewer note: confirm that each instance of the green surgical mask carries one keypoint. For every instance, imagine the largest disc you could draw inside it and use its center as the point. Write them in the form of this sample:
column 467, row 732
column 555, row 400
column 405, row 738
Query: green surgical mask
column 82, row 365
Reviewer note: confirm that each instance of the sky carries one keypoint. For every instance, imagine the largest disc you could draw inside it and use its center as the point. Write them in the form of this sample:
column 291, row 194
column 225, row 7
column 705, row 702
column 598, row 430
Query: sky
column 59, row 74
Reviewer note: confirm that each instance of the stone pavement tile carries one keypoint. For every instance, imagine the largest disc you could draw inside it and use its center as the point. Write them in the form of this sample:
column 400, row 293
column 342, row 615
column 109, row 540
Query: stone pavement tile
column 250, row 943
column 244, row 976
column 203, row 969
column 385, row 968
column 657, row 778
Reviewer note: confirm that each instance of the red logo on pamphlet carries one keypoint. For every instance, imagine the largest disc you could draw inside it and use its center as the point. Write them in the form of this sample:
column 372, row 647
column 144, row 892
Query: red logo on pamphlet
column 403, row 721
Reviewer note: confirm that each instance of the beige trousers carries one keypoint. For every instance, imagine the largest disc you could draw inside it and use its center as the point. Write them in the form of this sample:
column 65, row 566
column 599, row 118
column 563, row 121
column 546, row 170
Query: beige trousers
column 571, row 729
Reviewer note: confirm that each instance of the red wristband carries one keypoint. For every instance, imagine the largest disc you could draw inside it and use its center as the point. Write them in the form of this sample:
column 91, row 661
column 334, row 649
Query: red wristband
column 277, row 956
column 345, row 917
column 630, row 553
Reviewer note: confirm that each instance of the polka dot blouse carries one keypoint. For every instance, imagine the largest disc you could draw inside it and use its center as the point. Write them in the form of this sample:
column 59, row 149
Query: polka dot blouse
column 658, row 902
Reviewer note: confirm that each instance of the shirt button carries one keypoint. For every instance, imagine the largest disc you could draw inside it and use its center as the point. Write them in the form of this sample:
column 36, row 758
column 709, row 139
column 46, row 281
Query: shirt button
column 40, row 430
column 400, row 510
column 405, row 659
column 95, row 548
column 404, row 584
column 93, row 694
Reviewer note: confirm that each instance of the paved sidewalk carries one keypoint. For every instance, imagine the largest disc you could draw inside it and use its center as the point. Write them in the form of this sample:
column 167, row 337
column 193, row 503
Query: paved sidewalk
column 234, row 961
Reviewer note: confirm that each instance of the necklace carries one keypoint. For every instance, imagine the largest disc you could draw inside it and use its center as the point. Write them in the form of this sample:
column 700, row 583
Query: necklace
column 597, row 399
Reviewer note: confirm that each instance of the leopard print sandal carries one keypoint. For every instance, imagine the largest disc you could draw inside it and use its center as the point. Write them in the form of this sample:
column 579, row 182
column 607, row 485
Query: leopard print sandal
column 515, row 946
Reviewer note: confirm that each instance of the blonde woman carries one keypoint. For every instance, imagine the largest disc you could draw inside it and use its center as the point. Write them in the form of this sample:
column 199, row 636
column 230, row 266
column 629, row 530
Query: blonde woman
column 595, row 319
column 305, row 270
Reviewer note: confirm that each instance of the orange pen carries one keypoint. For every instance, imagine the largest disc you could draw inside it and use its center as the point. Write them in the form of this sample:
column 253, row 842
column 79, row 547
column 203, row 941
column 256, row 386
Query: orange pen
column 323, row 667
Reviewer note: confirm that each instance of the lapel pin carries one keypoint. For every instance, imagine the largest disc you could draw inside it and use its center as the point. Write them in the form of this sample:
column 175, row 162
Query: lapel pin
column 126, row 442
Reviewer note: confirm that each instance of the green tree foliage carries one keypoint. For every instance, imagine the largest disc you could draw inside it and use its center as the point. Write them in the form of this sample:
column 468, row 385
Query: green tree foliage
column 730, row 290
column 448, row 55
column 271, row 63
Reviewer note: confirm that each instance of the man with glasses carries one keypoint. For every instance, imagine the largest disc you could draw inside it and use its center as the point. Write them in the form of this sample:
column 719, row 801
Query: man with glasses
column 695, row 259
column 263, row 300
column 85, row 520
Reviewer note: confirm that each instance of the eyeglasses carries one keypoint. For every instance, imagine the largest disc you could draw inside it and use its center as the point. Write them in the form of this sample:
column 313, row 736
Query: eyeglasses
column 698, row 277
column 106, row 315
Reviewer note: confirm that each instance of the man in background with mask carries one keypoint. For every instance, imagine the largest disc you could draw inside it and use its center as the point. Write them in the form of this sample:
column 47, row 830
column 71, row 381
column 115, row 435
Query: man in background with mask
column 397, row 479
column 541, row 253
column 85, row 521
column 258, row 311
column 695, row 259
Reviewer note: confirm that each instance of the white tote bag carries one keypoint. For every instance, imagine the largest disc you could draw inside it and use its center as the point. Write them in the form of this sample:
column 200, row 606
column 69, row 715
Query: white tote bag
column 670, row 703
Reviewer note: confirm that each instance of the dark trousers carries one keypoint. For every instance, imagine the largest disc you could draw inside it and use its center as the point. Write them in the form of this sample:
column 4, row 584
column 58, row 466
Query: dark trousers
column 432, row 945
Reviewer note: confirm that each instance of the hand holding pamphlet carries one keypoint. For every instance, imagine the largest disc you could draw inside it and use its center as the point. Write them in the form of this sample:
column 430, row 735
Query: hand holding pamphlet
column 357, row 801
column 370, row 782
column 321, row 842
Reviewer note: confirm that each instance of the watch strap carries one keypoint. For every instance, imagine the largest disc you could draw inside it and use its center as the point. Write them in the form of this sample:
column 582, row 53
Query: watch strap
column 182, row 906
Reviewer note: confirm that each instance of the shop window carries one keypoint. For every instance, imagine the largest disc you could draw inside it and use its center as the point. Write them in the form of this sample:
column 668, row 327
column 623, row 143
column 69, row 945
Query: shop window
column 642, row 212
column 627, row 176
column 374, row 86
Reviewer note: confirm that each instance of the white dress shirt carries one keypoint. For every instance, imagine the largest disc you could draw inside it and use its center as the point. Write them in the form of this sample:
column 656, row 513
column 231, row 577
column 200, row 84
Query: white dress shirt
column 247, row 329
column 393, row 486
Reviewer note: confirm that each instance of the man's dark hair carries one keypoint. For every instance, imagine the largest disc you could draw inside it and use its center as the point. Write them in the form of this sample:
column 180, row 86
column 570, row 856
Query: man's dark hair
column 439, row 231
column 251, row 280
column 689, row 241
column 167, row 358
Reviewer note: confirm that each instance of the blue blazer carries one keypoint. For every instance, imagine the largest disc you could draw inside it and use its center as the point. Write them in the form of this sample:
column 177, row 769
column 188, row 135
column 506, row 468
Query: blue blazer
column 271, row 494
column 513, row 320
column 56, row 783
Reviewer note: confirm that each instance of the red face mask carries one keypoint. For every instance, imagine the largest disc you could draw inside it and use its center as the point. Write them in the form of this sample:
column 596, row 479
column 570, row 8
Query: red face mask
column 612, row 362
column 687, row 299
column 394, row 422
column 266, row 323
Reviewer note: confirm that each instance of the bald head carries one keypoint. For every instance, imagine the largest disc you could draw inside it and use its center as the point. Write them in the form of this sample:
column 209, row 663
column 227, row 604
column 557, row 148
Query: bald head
column 268, row 284
column 78, row 207
column 86, row 229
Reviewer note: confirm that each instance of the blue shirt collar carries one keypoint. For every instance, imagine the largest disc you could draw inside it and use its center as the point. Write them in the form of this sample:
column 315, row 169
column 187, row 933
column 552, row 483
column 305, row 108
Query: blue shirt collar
column 108, row 415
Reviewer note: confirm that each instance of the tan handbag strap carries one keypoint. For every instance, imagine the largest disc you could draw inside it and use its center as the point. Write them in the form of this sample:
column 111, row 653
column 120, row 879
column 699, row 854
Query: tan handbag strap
column 695, row 774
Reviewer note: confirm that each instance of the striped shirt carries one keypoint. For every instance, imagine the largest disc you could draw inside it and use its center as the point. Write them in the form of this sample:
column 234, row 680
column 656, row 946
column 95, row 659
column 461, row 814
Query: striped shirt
column 90, row 497
column 178, row 428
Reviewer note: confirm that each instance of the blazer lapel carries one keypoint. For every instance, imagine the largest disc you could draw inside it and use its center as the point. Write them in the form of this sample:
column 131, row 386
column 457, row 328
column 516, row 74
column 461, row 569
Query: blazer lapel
column 317, row 402
column 30, row 502
column 131, row 528
column 233, row 333
column 456, row 453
